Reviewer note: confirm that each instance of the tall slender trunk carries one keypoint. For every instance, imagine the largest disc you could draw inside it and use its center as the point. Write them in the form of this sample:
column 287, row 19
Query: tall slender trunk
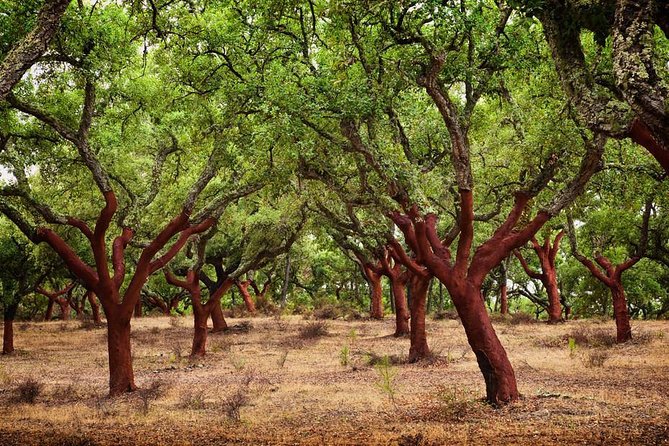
column 554, row 306
column 493, row 362
column 623, row 327
column 286, row 279
column 398, row 287
column 419, row 290
column 121, row 375
column 504, row 299
column 8, row 331
column 376, row 294
column 248, row 300
column 95, row 307
column 200, row 316
column 49, row 311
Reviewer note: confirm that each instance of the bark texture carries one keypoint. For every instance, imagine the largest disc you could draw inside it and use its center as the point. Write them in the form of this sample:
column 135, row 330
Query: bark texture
column 376, row 292
column 8, row 330
column 419, row 290
column 32, row 47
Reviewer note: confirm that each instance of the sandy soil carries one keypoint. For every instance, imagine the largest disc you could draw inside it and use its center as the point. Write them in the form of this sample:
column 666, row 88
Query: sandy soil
column 262, row 383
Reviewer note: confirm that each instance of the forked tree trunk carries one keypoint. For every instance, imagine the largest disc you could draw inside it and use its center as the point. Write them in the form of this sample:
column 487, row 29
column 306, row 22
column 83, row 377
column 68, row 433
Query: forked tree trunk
column 493, row 362
column 121, row 376
column 620, row 312
column 611, row 276
column 8, row 331
column 547, row 254
column 419, row 289
column 398, row 289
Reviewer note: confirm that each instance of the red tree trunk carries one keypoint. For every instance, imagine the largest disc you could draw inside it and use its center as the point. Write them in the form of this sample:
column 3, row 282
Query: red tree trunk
column 8, row 337
column 554, row 306
column 138, row 309
column 419, row 289
column 548, row 275
column 398, row 289
column 376, row 293
column 620, row 312
column 217, row 319
column 121, row 376
column 200, row 316
column 493, row 362
column 248, row 300
column 504, row 299
column 49, row 311
column 611, row 276
column 64, row 309
column 8, row 330
column 95, row 307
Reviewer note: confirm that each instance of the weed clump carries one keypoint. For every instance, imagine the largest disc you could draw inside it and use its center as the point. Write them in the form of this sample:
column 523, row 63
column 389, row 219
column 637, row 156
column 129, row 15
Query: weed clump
column 27, row 391
column 595, row 358
column 192, row 400
column 314, row 330
column 591, row 337
column 233, row 404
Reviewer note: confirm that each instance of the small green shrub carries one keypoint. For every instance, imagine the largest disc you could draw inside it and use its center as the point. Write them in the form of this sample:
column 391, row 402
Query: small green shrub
column 344, row 356
column 386, row 382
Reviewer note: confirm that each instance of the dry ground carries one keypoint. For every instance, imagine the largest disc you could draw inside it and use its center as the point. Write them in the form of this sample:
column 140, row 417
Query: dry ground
column 293, row 391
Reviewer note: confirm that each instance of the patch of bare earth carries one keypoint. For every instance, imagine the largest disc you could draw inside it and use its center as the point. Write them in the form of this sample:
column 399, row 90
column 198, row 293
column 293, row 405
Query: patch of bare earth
column 267, row 382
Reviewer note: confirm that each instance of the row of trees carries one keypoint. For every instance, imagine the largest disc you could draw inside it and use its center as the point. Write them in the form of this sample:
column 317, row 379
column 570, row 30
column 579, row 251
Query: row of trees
column 428, row 141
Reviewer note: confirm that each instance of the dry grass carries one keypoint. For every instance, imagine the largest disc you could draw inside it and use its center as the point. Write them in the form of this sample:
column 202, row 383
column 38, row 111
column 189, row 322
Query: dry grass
column 285, row 392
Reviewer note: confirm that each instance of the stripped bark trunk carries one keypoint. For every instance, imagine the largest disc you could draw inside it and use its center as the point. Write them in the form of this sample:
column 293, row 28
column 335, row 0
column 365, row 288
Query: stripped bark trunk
column 243, row 287
column 217, row 319
column 8, row 330
column 402, row 315
column 95, row 307
column 49, row 311
column 375, row 293
column 419, row 289
column 121, row 375
column 547, row 254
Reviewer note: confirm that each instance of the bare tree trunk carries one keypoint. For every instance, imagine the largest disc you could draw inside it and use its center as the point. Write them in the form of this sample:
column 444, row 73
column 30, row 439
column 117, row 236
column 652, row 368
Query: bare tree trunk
column 248, row 300
column 286, row 279
column 95, row 307
column 49, row 311
column 64, row 309
column 419, row 289
column 620, row 312
column 398, row 287
column 493, row 362
column 217, row 319
column 200, row 316
column 8, row 331
column 138, row 309
column 121, row 375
